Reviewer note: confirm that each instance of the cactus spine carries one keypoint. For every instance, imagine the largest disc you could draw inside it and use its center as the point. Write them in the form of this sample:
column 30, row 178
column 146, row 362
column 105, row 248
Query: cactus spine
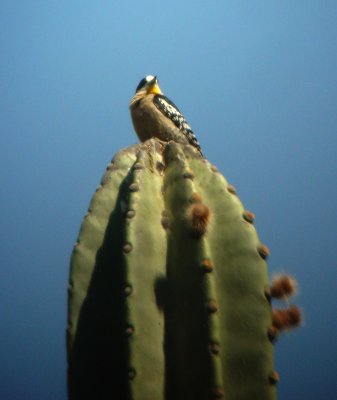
column 167, row 293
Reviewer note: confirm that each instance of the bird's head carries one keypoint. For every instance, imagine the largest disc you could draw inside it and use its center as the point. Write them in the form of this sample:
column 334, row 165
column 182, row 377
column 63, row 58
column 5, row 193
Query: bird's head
column 149, row 84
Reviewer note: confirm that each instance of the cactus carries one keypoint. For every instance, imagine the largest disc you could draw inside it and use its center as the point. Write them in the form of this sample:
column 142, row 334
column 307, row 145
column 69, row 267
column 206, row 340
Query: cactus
column 168, row 295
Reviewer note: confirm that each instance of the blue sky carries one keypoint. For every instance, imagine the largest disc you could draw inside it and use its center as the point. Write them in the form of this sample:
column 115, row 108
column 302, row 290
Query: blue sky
column 257, row 81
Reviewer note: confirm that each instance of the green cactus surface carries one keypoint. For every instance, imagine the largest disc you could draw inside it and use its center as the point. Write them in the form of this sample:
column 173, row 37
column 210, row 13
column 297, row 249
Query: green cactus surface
column 168, row 282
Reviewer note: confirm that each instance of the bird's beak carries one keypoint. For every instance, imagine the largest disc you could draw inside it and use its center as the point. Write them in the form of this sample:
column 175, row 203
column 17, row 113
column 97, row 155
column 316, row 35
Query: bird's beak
column 154, row 87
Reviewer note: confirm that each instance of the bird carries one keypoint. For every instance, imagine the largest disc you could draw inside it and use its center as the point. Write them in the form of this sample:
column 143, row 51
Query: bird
column 154, row 115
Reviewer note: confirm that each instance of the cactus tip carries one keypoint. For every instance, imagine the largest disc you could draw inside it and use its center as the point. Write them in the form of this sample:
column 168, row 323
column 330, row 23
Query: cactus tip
column 286, row 318
column 274, row 378
column 160, row 166
column 214, row 348
column 231, row 189
column 248, row 216
column 138, row 166
column 283, row 286
column 188, row 175
column 199, row 218
column 128, row 290
column 134, row 187
column 207, row 265
column 165, row 221
column 263, row 251
column 273, row 333
column 212, row 306
column 130, row 330
column 127, row 248
column 130, row 214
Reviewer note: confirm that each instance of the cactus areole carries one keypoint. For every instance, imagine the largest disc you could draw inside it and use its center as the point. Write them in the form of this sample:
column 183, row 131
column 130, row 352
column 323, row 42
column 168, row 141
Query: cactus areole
column 167, row 293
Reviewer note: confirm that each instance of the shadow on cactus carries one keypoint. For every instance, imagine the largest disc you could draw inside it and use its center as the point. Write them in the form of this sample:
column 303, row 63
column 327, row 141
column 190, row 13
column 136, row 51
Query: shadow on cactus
column 168, row 294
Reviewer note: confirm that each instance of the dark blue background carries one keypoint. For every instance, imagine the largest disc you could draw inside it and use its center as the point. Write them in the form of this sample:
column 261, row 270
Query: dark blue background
column 257, row 81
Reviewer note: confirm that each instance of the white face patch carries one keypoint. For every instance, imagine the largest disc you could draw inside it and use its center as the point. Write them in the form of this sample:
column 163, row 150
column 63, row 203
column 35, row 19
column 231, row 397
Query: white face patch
column 149, row 78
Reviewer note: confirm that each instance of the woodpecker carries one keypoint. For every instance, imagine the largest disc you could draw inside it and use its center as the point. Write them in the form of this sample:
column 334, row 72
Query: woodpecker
column 154, row 115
